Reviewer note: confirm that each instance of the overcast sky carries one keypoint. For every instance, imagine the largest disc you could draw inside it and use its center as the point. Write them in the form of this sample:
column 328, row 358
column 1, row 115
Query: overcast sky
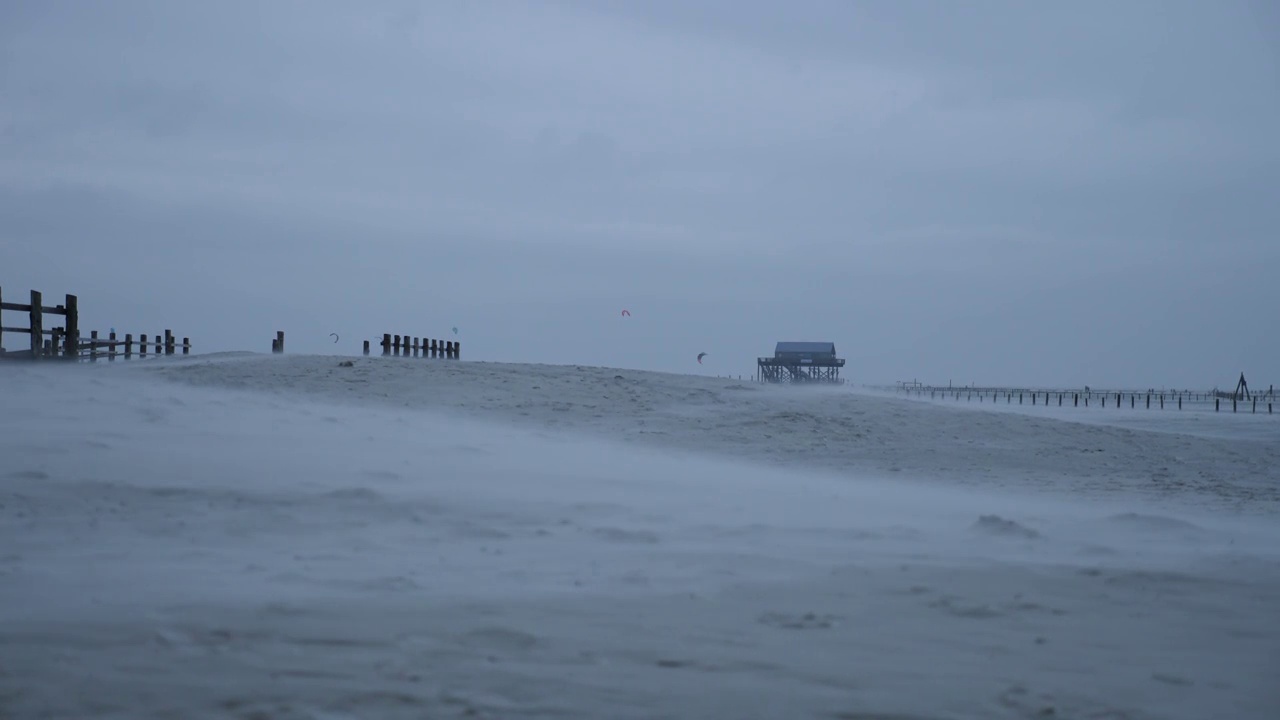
column 990, row 192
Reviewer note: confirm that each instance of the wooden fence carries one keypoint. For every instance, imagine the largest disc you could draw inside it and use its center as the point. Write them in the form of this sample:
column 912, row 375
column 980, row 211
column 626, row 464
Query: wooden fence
column 66, row 342
column 1264, row 401
column 67, row 337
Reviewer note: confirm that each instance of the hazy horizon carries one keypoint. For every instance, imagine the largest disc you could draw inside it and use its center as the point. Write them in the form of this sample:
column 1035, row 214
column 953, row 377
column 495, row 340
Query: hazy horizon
column 1001, row 193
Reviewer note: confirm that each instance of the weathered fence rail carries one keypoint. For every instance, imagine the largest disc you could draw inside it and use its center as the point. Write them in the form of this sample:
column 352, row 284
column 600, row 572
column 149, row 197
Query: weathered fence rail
column 1264, row 401
column 67, row 343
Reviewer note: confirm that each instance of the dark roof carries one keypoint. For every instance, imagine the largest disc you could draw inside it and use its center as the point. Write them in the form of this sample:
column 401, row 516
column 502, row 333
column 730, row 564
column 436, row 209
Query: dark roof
column 806, row 347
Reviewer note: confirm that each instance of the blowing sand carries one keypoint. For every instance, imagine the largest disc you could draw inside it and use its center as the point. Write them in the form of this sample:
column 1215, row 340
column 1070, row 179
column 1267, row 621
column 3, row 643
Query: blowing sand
column 282, row 537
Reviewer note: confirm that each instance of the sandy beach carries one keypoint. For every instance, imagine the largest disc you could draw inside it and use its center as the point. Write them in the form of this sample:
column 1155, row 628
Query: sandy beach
column 255, row 536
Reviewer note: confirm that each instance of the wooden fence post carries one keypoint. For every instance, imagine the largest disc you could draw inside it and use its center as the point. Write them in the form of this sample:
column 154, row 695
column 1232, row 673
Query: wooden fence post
column 158, row 346
column 395, row 345
column 142, row 345
column 111, row 349
column 366, row 348
column 93, row 346
column 1217, row 404
column 386, row 344
column 186, row 346
column 37, row 325
column 279, row 344
column 128, row 346
column 168, row 342
column 71, row 340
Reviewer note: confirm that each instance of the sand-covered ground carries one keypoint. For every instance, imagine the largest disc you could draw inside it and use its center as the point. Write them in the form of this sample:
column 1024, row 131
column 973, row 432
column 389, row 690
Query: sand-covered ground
column 255, row 536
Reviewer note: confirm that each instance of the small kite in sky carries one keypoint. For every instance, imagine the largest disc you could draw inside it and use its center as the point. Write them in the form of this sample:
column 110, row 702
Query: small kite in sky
column 700, row 356
column 334, row 336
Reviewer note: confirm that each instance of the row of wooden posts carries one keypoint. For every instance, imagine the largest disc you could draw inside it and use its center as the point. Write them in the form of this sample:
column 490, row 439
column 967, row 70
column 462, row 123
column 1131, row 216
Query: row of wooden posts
column 1076, row 397
column 66, row 342
column 166, row 345
column 397, row 345
column 407, row 346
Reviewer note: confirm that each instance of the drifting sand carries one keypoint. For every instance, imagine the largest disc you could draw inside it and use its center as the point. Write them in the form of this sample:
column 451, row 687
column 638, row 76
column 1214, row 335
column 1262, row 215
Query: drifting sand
column 278, row 536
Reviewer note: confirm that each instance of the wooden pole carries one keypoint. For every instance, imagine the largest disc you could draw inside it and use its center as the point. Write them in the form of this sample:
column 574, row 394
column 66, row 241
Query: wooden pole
column 186, row 346
column 111, row 349
column 158, row 343
column 395, row 345
column 128, row 346
column 366, row 347
column 142, row 345
column 279, row 341
column 168, row 342
column 93, row 346
column 71, row 341
column 386, row 344
column 37, row 325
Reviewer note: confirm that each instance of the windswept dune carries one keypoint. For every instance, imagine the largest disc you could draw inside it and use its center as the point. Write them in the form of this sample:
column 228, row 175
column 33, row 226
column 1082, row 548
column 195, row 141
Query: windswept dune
column 282, row 537
column 825, row 429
